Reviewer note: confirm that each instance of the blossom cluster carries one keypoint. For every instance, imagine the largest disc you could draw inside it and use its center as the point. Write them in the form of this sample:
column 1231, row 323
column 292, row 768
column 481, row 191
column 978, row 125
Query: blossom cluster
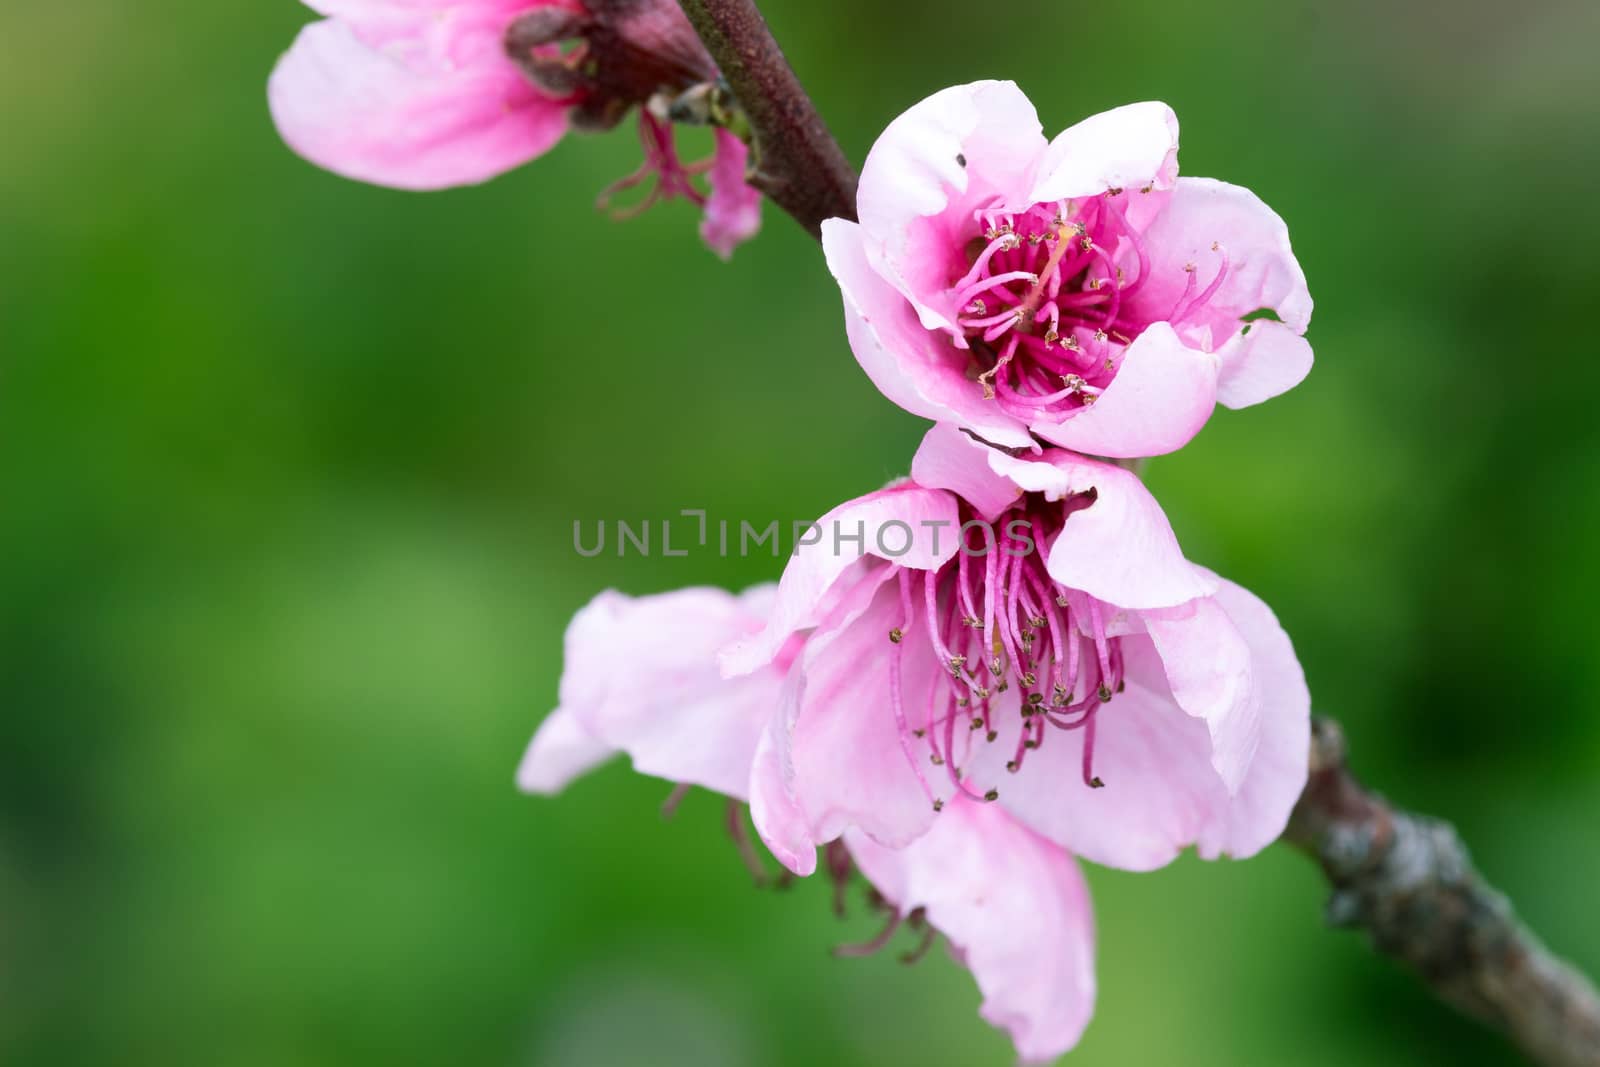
column 958, row 723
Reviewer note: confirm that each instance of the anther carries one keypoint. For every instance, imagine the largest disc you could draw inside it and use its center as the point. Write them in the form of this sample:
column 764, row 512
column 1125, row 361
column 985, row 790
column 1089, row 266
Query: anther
column 1105, row 694
column 896, row 635
column 1096, row 783
column 992, row 737
column 936, row 759
column 992, row 795
column 938, row 805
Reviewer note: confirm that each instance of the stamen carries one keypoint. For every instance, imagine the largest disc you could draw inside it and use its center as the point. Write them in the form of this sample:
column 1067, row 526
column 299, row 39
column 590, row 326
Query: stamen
column 669, row 806
column 741, row 839
column 876, row 945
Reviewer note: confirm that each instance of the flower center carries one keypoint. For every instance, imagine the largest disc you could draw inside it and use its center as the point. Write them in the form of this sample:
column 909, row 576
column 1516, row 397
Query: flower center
column 995, row 621
column 1045, row 306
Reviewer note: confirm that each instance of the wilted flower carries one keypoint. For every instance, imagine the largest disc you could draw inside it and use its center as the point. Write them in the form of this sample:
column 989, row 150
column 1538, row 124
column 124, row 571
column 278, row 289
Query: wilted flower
column 427, row 94
column 1076, row 291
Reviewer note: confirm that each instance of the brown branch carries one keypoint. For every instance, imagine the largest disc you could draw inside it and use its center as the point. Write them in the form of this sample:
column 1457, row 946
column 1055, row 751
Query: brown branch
column 798, row 164
column 1408, row 882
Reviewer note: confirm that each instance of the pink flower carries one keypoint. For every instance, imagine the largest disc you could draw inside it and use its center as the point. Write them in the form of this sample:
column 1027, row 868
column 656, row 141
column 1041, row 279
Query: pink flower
column 963, row 725
column 427, row 94
column 1076, row 291
column 1108, row 694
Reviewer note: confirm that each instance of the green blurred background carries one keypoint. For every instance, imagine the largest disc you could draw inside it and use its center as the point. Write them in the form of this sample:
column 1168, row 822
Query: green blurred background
column 289, row 467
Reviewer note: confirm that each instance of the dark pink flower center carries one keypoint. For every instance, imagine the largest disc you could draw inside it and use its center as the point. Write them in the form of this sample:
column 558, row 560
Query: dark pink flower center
column 996, row 622
column 1045, row 307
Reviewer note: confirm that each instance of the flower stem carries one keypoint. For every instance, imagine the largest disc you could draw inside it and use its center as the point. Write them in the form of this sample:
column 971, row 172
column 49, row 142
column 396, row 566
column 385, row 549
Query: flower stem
column 796, row 162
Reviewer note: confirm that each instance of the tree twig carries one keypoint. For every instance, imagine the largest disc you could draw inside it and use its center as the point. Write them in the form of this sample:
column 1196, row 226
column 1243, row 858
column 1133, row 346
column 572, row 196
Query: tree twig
column 1408, row 882
column 798, row 164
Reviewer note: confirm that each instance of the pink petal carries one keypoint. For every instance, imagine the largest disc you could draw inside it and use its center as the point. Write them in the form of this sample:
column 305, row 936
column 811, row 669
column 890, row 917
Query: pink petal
column 928, row 171
column 775, row 806
column 1259, row 811
column 1160, row 788
column 915, row 368
column 814, row 570
column 1163, row 393
column 367, row 115
column 733, row 211
column 1120, row 549
column 950, row 459
column 840, row 746
column 1208, row 665
column 1164, row 764
column 774, row 809
column 1015, row 910
column 1258, row 365
column 641, row 676
column 1262, row 269
column 1125, row 148
column 561, row 751
column 433, row 35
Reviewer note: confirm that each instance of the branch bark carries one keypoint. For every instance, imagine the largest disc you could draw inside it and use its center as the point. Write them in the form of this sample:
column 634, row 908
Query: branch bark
column 798, row 164
column 1408, row 882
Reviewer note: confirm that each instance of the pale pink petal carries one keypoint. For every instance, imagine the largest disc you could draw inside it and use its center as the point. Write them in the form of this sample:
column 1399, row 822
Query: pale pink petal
column 774, row 809
column 917, row 369
column 1267, row 359
column 1160, row 789
column 733, row 211
column 1125, row 148
column 1015, row 910
column 1259, row 811
column 1120, row 549
column 369, row 116
column 870, row 527
column 1203, row 220
column 774, row 805
column 561, row 750
column 1163, row 393
column 1207, row 663
column 926, row 173
column 433, row 35
column 641, row 676
column 843, row 742
column 950, row 459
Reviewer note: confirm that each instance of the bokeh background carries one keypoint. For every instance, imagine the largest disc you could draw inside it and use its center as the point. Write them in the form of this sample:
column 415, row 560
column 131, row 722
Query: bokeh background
column 288, row 468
